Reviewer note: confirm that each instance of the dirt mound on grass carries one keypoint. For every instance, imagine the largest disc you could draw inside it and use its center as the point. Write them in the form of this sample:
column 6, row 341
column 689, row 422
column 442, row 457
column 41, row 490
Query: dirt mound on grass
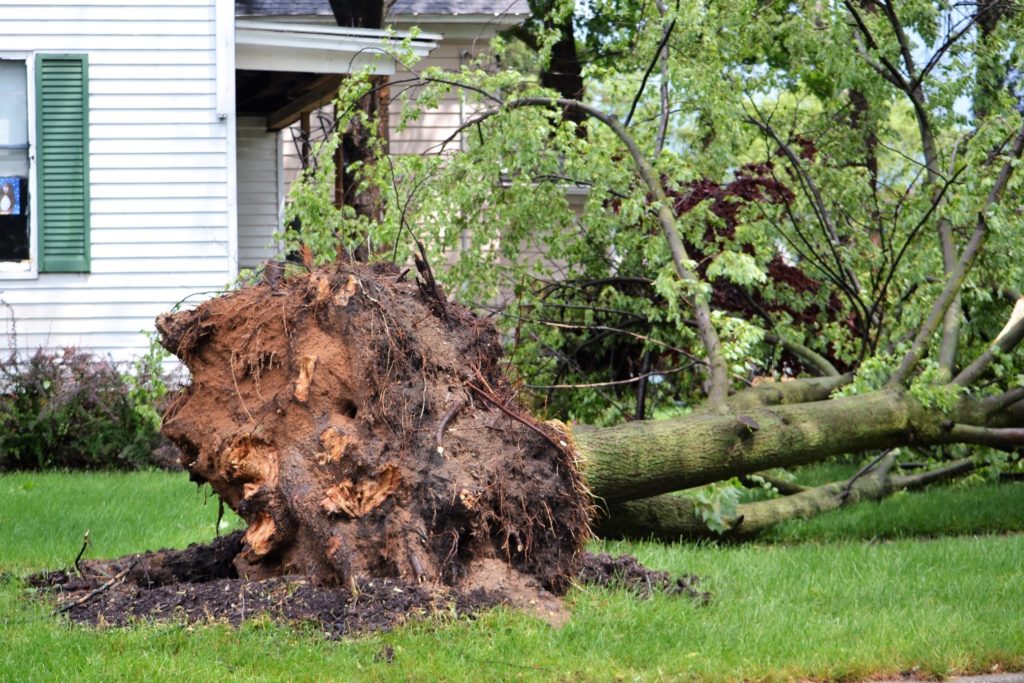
column 364, row 429
column 200, row 584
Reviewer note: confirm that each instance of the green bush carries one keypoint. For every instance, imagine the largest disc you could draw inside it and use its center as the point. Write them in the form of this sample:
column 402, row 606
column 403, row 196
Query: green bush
column 71, row 409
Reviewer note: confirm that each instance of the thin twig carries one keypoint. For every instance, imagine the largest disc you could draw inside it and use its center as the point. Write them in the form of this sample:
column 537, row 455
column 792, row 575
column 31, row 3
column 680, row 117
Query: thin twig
column 650, row 68
column 611, row 383
column 117, row 578
column 1005, row 343
column 518, row 418
column 85, row 544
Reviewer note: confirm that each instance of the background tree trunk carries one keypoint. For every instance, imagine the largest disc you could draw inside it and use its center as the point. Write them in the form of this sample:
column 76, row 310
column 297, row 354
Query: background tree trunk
column 356, row 150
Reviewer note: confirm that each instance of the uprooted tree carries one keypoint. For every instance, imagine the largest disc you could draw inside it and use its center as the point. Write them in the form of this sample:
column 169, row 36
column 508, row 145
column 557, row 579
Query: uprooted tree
column 362, row 423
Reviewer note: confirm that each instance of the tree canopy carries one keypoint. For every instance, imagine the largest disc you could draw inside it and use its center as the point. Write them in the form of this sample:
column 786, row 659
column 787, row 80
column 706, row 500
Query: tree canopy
column 762, row 191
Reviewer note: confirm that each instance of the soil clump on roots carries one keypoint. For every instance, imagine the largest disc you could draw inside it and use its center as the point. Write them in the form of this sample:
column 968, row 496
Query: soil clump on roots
column 200, row 584
column 363, row 428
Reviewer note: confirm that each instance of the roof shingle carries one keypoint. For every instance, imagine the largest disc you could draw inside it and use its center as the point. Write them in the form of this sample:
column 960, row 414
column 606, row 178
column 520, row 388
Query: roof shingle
column 275, row 8
column 460, row 7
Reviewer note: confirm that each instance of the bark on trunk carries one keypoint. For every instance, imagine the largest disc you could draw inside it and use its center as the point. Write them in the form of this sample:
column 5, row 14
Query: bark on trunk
column 355, row 150
column 357, row 153
column 646, row 458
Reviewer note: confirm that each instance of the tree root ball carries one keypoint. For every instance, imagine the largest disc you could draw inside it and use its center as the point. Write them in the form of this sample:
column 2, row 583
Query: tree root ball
column 363, row 427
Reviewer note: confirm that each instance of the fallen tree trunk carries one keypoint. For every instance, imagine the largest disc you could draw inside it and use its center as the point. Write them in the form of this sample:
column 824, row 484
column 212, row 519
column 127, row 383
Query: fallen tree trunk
column 644, row 458
column 362, row 426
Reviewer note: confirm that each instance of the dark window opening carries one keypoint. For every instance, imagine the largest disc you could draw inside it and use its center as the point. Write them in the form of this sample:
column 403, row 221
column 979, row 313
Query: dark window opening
column 14, row 162
column 14, row 229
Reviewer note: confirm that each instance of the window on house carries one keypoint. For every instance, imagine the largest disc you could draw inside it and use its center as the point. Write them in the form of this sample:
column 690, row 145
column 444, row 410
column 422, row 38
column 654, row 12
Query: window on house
column 14, row 161
column 44, row 180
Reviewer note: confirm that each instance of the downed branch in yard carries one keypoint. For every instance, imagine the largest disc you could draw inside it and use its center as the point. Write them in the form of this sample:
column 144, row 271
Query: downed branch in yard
column 674, row 518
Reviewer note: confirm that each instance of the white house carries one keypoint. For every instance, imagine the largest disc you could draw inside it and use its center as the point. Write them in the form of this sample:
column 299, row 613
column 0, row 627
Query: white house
column 141, row 154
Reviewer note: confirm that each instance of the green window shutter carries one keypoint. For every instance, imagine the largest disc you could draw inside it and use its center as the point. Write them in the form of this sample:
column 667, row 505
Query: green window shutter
column 62, row 162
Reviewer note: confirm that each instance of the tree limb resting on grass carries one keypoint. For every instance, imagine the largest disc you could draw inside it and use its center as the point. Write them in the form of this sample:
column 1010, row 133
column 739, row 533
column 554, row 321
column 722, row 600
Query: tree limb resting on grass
column 674, row 518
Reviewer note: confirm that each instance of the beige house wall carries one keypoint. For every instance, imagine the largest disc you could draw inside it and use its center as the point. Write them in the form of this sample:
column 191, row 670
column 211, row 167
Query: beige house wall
column 427, row 135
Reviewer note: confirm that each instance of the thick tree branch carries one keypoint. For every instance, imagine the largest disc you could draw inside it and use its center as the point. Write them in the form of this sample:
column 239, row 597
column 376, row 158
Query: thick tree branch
column 953, row 469
column 646, row 458
column 997, row 437
column 674, row 518
column 915, row 92
column 805, row 390
column 912, row 86
column 996, row 404
column 901, row 38
column 881, row 465
column 959, row 274
column 1005, row 343
column 884, row 66
column 804, row 353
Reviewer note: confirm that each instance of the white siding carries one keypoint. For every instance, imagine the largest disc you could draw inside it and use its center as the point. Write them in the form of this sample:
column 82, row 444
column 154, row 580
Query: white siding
column 159, row 170
column 259, row 191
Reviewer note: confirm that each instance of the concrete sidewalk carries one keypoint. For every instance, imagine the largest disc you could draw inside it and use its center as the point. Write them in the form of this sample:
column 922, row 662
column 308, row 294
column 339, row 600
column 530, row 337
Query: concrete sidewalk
column 984, row 678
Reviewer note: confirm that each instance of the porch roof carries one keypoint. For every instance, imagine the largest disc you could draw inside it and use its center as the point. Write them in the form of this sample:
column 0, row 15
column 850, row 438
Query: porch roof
column 315, row 48
column 285, row 69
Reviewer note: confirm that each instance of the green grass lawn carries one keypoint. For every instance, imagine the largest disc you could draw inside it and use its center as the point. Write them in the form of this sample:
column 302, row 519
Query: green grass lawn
column 869, row 591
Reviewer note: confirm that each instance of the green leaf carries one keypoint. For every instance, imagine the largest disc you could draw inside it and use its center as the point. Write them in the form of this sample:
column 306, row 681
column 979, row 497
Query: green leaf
column 737, row 267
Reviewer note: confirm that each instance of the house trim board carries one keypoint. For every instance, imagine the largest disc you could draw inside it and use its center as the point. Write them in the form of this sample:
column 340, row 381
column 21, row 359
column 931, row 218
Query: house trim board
column 288, row 46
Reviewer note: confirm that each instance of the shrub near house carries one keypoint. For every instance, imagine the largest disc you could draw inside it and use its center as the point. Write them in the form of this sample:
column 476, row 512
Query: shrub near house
column 69, row 408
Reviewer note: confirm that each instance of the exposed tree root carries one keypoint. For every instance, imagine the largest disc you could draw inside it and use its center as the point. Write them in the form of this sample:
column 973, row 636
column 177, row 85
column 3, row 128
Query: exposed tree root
column 364, row 431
